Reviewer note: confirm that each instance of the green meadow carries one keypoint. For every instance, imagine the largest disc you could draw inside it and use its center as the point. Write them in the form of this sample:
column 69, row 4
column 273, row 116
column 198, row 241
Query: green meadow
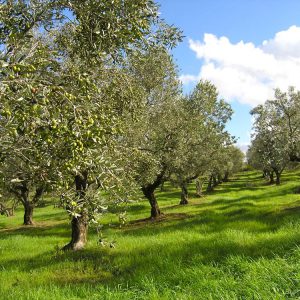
column 239, row 242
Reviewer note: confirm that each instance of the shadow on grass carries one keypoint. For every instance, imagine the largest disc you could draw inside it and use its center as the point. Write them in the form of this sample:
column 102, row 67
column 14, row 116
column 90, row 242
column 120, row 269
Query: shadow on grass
column 212, row 245
column 41, row 229
column 224, row 213
column 110, row 267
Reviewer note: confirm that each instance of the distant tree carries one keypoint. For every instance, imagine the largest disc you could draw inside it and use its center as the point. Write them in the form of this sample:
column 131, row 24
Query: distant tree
column 287, row 107
column 276, row 140
column 203, row 135
column 233, row 162
column 270, row 144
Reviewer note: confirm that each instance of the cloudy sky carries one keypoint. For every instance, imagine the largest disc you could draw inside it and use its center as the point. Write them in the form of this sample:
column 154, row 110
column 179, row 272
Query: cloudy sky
column 245, row 47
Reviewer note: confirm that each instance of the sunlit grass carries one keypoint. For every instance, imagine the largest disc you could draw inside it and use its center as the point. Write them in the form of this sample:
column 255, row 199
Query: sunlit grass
column 240, row 242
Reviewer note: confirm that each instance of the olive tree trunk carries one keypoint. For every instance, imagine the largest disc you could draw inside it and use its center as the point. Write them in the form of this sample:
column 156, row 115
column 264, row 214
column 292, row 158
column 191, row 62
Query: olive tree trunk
column 21, row 192
column 226, row 176
column 149, row 194
column 278, row 176
column 219, row 179
column 79, row 224
column 210, row 187
column 28, row 213
column 184, row 194
column 215, row 181
column 148, row 191
column 199, row 184
column 271, row 177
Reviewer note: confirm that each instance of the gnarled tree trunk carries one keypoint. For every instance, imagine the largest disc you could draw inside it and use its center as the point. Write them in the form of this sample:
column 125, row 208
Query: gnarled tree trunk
column 215, row 181
column 199, row 184
column 226, row 176
column 30, row 204
column 148, row 191
column 219, row 179
column 28, row 213
column 210, row 184
column 79, row 225
column 271, row 177
column 21, row 191
column 278, row 175
column 184, row 194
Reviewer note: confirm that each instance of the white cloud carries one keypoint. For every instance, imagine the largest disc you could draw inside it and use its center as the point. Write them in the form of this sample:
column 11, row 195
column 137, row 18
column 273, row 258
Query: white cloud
column 245, row 72
column 186, row 79
column 243, row 147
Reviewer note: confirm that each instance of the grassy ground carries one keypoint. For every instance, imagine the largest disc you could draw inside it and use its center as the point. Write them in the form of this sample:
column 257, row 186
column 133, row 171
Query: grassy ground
column 241, row 242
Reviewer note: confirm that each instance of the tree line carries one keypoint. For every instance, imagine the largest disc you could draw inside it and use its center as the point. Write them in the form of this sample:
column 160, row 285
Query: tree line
column 91, row 107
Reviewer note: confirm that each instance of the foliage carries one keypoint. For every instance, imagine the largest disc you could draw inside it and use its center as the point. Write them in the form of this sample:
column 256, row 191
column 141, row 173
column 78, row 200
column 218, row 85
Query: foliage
column 287, row 106
column 155, row 135
column 65, row 94
column 276, row 133
column 203, row 135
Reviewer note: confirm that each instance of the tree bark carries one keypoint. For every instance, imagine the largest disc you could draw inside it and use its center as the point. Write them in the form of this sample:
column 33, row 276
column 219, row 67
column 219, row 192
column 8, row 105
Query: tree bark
column 215, row 182
column 21, row 192
column 210, row 184
column 148, row 191
column 278, row 175
column 28, row 213
column 79, row 225
column 271, row 175
column 28, row 205
column 219, row 179
column 199, row 184
column 184, row 194
column 149, row 194
column 226, row 176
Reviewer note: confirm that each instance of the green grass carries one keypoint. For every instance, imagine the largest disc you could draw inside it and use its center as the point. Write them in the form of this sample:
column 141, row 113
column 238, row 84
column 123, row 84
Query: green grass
column 240, row 242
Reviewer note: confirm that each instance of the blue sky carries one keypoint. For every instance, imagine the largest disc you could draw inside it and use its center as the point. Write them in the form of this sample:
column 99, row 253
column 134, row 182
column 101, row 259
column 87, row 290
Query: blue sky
column 244, row 67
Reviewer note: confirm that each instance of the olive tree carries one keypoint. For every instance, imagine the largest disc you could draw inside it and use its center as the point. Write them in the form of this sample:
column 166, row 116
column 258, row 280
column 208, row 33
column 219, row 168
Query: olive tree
column 155, row 136
column 233, row 162
column 28, row 67
column 287, row 107
column 203, row 135
column 107, row 33
column 65, row 95
column 276, row 139
column 270, row 143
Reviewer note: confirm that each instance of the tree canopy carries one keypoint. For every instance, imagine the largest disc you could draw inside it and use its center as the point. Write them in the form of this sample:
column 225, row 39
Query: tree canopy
column 91, row 107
